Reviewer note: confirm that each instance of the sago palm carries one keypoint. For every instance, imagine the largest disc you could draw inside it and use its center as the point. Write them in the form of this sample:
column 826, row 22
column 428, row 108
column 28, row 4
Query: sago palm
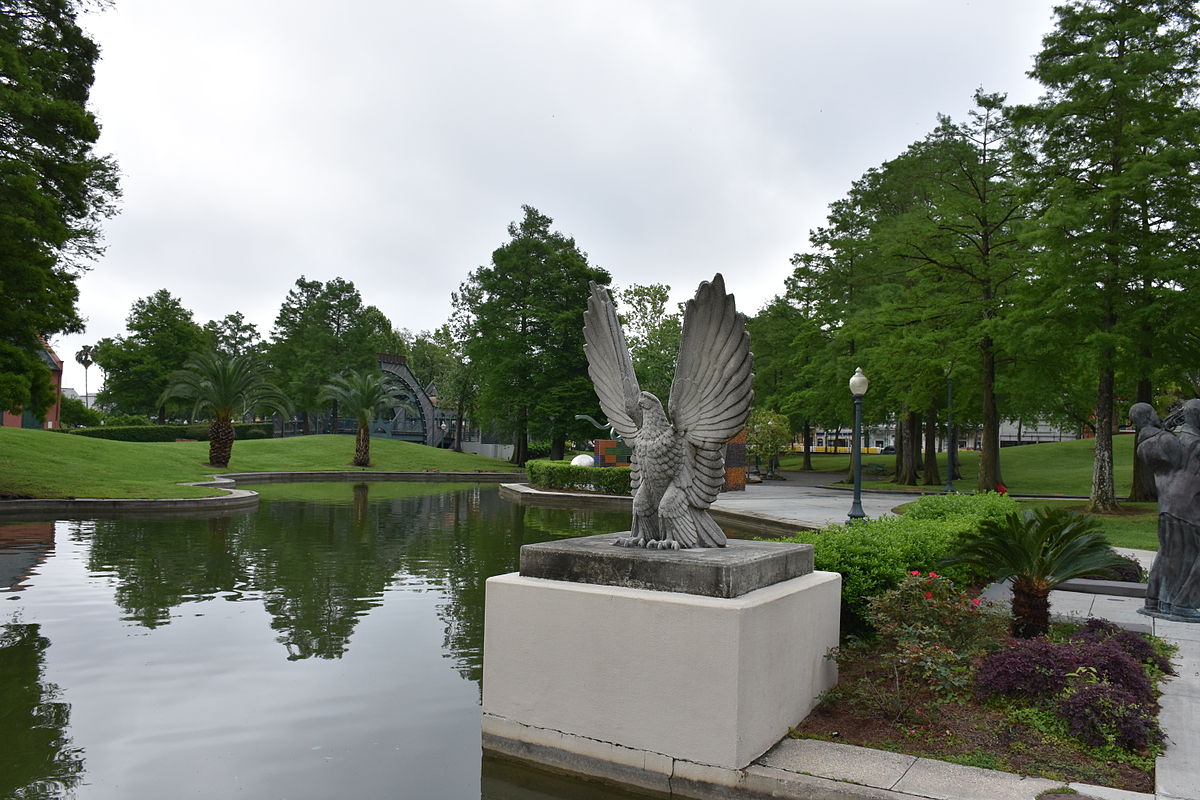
column 223, row 386
column 364, row 395
column 1038, row 550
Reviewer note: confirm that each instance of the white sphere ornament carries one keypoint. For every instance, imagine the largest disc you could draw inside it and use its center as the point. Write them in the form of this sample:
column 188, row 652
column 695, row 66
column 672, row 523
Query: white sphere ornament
column 583, row 460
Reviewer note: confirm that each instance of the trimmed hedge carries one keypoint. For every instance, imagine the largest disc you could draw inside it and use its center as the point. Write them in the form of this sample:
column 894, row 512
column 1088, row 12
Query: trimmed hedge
column 875, row 555
column 169, row 433
column 561, row 475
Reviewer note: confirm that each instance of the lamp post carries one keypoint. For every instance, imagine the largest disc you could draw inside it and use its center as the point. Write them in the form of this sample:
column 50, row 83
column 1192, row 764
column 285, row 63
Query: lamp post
column 858, row 388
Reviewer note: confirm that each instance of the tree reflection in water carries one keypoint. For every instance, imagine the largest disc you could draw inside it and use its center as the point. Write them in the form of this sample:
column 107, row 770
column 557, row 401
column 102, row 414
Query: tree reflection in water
column 36, row 757
column 321, row 556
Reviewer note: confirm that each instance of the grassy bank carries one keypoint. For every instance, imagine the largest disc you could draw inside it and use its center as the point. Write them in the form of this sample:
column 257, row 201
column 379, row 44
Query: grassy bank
column 1062, row 468
column 50, row 465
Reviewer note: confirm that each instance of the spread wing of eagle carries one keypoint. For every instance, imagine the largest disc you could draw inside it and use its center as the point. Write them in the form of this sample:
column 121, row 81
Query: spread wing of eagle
column 678, row 461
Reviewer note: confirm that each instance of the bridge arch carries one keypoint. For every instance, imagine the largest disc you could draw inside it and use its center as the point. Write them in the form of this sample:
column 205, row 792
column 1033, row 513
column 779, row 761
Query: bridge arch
column 397, row 367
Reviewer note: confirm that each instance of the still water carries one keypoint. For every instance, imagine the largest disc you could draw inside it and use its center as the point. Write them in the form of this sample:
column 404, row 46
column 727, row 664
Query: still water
column 327, row 645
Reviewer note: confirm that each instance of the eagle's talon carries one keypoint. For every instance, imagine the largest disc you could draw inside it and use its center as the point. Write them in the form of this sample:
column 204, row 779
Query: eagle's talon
column 629, row 541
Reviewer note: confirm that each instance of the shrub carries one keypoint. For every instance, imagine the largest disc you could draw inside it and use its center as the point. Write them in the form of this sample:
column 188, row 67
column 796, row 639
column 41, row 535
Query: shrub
column 1028, row 669
column 930, row 631
column 989, row 505
column 1039, row 669
column 1129, row 571
column 1101, row 713
column 133, row 433
column 875, row 555
column 561, row 475
column 169, row 433
column 929, row 607
column 1138, row 647
column 125, row 420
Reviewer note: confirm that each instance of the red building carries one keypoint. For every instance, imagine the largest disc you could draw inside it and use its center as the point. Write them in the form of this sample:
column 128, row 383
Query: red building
column 30, row 420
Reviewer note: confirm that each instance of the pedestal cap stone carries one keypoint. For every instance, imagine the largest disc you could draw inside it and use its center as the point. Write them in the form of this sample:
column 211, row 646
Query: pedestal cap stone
column 740, row 567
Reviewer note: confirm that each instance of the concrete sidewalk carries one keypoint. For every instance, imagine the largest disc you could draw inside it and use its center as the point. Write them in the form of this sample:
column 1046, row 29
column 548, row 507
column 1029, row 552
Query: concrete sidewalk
column 801, row 501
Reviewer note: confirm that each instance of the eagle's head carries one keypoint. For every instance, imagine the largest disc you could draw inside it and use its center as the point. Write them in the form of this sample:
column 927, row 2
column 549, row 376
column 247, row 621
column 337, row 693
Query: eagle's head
column 653, row 415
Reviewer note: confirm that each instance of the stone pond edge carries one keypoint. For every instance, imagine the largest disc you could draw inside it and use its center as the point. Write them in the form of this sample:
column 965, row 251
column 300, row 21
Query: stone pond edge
column 235, row 498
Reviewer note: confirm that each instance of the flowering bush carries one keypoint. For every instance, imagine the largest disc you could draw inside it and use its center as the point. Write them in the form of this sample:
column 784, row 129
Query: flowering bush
column 927, row 606
column 928, row 633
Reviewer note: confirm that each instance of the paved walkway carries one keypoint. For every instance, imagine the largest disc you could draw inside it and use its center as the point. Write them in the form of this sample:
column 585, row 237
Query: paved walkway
column 803, row 500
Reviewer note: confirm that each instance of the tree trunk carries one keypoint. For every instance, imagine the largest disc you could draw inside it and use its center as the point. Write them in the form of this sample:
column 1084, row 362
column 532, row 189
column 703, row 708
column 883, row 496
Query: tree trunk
column 906, row 461
column 521, row 438
column 932, row 478
column 989, row 453
column 362, row 446
column 360, row 503
column 1104, row 495
column 458, row 426
column 220, row 442
column 558, row 447
column 1143, row 489
column 305, row 423
column 808, row 445
column 1031, row 609
column 162, row 415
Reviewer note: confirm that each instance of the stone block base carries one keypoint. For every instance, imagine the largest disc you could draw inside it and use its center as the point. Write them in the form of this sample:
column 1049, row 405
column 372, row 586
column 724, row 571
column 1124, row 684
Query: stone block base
column 652, row 675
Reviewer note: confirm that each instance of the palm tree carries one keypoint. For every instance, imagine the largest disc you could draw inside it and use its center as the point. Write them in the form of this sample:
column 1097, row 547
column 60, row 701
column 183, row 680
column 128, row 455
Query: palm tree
column 223, row 386
column 1038, row 550
column 363, row 394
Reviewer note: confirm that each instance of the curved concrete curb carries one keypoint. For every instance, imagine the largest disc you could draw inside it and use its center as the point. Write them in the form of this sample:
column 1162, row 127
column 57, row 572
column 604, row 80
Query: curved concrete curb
column 234, row 500
column 355, row 476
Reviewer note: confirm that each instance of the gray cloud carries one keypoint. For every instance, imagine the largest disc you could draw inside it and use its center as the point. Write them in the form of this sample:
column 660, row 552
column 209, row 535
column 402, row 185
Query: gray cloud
column 391, row 143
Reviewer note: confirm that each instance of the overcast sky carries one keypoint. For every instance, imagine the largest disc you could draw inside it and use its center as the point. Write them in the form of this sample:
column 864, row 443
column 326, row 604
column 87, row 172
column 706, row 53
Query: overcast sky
column 390, row 142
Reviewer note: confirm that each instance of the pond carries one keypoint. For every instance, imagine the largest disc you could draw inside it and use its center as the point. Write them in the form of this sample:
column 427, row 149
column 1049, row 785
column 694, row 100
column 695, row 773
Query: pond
column 326, row 645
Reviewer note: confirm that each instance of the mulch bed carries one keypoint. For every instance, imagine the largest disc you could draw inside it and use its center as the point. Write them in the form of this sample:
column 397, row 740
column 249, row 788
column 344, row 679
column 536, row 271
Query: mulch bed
column 967, row 732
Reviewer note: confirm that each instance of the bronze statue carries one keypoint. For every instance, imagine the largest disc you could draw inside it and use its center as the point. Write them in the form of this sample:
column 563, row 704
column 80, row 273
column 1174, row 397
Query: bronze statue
column 1173, row 588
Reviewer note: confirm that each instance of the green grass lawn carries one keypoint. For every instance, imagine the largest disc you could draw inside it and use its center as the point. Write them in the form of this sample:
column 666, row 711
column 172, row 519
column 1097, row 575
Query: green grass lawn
column 51, row 465
column 1054, row 468
column 1057, row 468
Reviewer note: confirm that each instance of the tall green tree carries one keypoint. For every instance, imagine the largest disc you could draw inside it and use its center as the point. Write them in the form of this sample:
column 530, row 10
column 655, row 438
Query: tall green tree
column 223, row 387
column 232, row 335
column 54, row 190
column 365, row 395
column 322, row 330
column 1114, row 145
column 137, row 367
column 652, row 334
column 965, row 261
column 790, row 351
column 522, row 319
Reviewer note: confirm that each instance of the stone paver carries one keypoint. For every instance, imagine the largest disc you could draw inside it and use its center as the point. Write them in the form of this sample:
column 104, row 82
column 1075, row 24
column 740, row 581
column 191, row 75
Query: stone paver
column 944, row 781
column 1108, row 793
column 841, row 762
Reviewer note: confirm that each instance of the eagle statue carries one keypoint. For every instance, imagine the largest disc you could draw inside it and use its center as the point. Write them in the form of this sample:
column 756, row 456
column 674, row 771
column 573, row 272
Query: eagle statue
column 678, row 461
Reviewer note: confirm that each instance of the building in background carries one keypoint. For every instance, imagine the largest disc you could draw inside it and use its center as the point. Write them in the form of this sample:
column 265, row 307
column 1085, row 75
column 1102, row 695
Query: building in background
column 50, row 420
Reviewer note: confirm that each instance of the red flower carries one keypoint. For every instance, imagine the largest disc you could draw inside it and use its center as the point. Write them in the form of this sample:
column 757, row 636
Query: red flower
column 915, row 572
column 933, row 574
column 976, row 601
column 928, row 595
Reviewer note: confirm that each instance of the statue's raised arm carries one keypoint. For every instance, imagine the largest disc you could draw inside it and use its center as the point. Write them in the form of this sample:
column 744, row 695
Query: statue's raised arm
column 677, row 469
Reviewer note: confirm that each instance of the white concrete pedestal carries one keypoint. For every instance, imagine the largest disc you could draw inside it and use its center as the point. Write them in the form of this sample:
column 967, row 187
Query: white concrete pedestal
column 620, row 674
